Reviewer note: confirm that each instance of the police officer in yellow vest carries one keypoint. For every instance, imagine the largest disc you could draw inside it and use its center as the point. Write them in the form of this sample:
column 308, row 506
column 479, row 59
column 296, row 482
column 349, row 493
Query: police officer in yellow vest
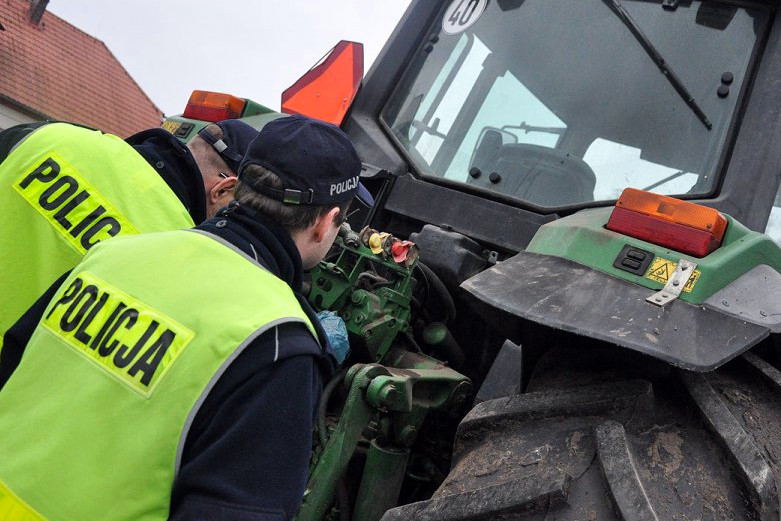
column 175, row 375
column 64, row 188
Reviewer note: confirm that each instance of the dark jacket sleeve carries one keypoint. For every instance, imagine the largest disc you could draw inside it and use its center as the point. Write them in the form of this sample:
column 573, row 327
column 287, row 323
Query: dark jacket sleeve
column 13, row 135
column 247, row 453
column 16, row 338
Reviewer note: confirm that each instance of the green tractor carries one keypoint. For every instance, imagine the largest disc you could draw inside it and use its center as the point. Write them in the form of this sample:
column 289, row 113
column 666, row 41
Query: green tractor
column 539, row 330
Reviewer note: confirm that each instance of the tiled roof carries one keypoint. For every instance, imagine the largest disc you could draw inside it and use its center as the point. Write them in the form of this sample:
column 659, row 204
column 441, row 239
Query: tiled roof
column 63, row 73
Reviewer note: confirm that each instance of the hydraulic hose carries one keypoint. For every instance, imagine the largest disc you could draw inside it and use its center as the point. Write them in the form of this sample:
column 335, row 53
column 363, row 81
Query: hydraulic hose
column 323, row 406
column 442, row 292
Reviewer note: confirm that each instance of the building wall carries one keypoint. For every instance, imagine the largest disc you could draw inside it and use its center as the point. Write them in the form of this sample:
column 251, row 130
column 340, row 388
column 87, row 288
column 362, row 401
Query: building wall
column 54, row 69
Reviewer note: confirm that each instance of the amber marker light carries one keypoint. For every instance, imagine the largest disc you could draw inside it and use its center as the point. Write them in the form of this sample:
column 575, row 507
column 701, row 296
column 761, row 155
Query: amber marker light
column 213, row 106
column 682, row 226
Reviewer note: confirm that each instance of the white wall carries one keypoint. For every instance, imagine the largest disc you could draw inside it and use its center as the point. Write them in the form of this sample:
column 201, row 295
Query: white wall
column 10, row 117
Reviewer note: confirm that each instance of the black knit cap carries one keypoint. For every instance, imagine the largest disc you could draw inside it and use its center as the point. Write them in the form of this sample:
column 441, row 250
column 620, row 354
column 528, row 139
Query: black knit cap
column 237, row 136
column 316, row 162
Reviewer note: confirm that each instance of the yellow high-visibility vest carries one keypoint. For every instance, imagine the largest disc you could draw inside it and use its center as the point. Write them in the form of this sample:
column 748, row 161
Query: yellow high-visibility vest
column 94, row 420
column 62, row 190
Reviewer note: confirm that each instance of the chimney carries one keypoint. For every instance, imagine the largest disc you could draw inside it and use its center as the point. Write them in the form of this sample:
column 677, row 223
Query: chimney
column 37, row 8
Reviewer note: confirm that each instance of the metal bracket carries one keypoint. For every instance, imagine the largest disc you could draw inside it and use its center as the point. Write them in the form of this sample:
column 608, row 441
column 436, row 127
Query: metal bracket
column 675, row 283
column 670, row 5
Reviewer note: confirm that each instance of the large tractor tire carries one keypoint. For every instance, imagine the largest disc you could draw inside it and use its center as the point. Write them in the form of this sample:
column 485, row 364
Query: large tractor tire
column 584, row 443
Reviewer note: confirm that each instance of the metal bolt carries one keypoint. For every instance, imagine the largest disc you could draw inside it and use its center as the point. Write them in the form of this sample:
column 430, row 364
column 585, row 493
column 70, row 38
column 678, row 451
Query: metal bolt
column 459, row 399
column 460, row 394
column 390, row 395
column 408, row 435
column 676, row 282
column 725, row 303
column 658, row 299
column 684, row 268
column 763, row 312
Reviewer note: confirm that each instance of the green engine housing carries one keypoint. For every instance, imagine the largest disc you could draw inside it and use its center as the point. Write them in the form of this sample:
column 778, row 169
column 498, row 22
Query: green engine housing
column 371, row 292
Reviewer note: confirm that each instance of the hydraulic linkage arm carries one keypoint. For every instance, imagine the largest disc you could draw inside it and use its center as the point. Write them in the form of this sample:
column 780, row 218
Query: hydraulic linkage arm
column 393, row 401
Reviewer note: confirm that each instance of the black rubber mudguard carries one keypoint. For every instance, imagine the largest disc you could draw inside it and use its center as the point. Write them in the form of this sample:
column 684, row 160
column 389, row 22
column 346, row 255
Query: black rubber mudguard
column 568, row 296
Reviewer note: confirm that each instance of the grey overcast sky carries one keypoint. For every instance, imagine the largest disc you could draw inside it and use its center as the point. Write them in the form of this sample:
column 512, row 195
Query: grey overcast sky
column 252, row 49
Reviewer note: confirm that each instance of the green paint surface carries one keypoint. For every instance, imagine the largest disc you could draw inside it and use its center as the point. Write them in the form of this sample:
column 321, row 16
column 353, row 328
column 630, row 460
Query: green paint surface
column 583, row 238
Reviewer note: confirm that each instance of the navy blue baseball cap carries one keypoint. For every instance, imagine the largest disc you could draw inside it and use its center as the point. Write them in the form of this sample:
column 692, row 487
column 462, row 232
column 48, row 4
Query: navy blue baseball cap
column 237, row 136
column 316, row 162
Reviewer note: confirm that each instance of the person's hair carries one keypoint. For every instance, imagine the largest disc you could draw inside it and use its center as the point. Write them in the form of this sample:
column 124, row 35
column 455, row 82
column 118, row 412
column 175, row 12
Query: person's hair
column 205, row 154
column 291, row 216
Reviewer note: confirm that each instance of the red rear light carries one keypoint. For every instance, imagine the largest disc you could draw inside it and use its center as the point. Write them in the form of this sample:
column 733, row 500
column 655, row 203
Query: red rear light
column 679, row 225
column 328, row 89
column 213, row 106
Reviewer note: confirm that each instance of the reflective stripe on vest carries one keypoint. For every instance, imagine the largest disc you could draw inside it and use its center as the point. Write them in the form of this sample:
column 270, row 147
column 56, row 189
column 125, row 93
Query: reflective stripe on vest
column 14, row 509
column 62, row 190
column 94, row 419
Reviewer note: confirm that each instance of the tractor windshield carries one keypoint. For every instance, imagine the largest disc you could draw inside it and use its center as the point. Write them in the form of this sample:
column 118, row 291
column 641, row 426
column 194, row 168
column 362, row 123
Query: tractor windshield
column 562, row 102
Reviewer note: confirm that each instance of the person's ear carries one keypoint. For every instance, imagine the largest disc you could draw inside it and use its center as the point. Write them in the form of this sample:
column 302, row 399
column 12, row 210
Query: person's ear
column 324, row 223
column 220, row 189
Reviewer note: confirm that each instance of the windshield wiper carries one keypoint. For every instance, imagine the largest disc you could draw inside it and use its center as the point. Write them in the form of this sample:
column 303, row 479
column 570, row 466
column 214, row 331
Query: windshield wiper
column 616, row 6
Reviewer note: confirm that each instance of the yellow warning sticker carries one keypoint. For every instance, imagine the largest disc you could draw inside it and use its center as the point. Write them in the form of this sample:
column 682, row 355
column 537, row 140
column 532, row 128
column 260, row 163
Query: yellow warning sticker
column 662, row 269
column 171, row 126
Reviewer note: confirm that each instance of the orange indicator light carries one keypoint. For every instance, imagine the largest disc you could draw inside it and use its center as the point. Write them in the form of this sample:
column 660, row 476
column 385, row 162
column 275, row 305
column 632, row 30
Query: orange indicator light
column 682, row 226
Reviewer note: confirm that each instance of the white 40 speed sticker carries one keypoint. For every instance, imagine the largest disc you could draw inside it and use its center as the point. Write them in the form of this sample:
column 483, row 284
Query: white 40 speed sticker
column 462, row 14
